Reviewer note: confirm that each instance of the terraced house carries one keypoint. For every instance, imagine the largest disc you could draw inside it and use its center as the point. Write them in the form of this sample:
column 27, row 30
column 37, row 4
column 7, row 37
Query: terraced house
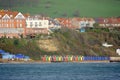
column 73, row 23
column 12, row 24
column 108, row 22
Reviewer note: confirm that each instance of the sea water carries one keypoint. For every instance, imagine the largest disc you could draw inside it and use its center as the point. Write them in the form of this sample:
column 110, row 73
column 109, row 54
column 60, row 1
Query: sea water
column 60, row 71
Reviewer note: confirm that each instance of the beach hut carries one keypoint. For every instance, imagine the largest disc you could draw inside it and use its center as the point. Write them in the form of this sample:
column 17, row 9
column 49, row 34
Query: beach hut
column 2, row 51
column 44, row 58
column 19, row 56
column 54, row 58
column 8, row 56
column 47, row 58
column 26, row 58
column 82, row 29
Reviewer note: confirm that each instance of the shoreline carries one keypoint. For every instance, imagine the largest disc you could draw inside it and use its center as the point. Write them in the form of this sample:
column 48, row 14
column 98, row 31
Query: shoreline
column 112, row 59
column 40, row 62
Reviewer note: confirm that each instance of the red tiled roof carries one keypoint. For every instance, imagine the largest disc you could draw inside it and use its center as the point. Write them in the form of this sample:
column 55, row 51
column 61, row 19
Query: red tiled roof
column 8, row 12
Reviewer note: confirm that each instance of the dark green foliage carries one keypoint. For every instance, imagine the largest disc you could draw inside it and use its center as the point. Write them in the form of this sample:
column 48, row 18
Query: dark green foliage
column 97, row 30
column 96, row 25
column 16, row 42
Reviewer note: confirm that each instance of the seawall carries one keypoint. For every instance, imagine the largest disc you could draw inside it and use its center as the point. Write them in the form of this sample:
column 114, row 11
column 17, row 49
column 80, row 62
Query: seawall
column 114, row 59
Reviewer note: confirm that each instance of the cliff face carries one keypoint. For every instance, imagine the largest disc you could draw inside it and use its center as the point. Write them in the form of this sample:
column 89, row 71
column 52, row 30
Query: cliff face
column 49, row 45
column 65, row 42
column 76, row 43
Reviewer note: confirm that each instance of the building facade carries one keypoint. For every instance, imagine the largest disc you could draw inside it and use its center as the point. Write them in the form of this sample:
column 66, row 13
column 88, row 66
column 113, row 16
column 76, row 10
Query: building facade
column 37, row 25
column 12, row 24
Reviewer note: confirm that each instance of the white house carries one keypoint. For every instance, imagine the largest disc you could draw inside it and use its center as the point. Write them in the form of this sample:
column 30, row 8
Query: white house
column 86, row 22
column 37, row 24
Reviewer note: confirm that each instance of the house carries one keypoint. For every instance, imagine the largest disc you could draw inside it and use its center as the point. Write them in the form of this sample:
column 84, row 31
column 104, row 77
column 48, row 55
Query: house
column 54, row 24
column 76, row 22
column 70, row 23
column 108, row 22
column 8, row 56
column 86, row 22
column 12, row 24
column 36, row 25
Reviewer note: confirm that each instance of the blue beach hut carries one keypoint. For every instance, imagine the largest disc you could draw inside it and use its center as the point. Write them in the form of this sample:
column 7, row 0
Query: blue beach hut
column 82, row 30
column 8, row 56
column 2, row 51
column 19, row 56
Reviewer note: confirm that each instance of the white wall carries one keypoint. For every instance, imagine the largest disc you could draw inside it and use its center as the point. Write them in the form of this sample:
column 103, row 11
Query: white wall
column 40, row 23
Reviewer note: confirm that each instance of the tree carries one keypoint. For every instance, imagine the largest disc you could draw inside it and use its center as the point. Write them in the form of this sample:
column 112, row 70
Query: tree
column 76, row 13
column 16, row 42
column 96, row 25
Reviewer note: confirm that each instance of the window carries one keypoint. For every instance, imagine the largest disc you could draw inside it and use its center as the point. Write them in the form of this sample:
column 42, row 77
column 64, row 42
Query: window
column 12, row 20
column 4, row 20
column 20, row 20
column 12, row 25
column 31, row 24
column 17, row 20
column 40, row 24
column 7, row 25
column 44, row 23
column 26, row 24
column 17, row 25
column 36, row 24
column 20, row 25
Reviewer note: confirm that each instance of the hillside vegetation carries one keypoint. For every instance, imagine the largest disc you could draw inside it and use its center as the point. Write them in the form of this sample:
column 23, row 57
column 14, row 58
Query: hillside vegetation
column 65, row 8
column 65, row 42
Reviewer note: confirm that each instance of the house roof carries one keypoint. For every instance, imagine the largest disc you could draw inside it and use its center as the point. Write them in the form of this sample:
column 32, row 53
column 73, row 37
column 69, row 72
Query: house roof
column 11, row 14
column 107, row 20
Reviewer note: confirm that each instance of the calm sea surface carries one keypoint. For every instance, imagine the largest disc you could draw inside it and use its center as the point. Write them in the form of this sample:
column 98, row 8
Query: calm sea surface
column 60, row 71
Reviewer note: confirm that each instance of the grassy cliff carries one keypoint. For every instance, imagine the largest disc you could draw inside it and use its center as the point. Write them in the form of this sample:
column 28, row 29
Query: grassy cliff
column 65, row 42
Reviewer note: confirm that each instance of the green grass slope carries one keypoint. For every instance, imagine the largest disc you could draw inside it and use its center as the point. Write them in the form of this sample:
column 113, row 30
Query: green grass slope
column 70, row 8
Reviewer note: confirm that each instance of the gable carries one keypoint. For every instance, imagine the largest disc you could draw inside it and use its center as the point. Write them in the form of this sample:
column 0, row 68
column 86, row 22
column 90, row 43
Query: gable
column 19, row 16
column 5, row 17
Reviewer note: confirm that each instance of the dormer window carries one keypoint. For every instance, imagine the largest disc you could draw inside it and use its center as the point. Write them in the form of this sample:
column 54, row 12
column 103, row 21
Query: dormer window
column 19, row 16
column 5, row 17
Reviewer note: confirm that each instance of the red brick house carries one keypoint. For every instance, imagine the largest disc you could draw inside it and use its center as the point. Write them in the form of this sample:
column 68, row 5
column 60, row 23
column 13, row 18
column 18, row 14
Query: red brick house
column 12, row 24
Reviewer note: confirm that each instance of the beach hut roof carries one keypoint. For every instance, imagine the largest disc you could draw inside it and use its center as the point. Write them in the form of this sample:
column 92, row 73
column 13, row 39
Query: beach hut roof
column 2, row 51
column 19, row 56
column 6, row 53
column 8, row 56
column 26, row 57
